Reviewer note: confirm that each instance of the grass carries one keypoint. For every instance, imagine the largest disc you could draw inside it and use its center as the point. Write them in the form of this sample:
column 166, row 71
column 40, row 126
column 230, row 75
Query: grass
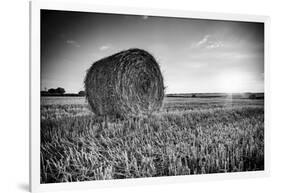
column 189, row 136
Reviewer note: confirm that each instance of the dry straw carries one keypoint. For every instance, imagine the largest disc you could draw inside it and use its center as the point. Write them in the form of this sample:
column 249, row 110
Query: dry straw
column 126, row 84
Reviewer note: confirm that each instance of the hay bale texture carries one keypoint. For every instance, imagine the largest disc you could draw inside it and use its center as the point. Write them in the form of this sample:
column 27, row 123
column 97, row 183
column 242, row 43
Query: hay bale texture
column 126, row 84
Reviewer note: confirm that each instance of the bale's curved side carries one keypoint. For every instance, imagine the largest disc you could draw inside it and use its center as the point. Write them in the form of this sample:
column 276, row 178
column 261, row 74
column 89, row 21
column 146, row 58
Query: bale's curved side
column 125, row 84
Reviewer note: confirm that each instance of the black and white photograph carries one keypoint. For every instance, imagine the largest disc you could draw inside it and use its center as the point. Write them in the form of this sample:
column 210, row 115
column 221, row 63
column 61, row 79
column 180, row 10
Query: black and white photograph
column 136, row 96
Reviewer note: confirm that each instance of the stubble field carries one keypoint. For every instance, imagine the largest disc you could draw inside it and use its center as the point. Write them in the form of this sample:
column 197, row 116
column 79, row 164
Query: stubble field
column 189, row 136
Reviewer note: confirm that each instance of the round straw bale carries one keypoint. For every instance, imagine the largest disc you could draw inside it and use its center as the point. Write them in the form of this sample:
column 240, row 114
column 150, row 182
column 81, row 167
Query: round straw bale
column 126, row 84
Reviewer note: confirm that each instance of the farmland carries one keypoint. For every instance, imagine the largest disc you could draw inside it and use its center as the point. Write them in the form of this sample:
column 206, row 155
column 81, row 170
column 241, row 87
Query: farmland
column 188, row 136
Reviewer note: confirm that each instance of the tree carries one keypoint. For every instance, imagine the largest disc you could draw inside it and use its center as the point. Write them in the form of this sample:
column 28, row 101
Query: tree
column 60, row 90
column 57, row 91
column 52, row 90
column 82, row 93
column 252, row 96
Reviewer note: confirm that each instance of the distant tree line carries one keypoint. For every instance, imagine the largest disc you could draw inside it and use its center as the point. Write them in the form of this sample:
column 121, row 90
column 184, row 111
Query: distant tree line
column 60, row 92
column 245, row 95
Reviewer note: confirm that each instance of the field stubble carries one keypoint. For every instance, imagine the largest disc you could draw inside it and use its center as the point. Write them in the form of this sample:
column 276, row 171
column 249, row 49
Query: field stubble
column 189, row 136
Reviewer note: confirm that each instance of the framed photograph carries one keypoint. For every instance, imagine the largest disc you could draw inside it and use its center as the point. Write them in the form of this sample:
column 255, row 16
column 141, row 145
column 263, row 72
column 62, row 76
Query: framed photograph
column 125, row 96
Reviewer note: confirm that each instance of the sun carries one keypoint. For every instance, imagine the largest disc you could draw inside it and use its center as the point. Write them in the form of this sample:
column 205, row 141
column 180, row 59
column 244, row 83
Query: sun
column 232, row 82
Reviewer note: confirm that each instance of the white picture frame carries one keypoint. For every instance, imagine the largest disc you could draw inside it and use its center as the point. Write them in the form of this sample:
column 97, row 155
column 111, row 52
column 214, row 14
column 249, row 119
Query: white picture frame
column 36, row 6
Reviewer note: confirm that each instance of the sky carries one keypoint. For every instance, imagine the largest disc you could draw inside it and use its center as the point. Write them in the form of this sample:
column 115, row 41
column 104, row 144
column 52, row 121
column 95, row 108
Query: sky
column 195, row 55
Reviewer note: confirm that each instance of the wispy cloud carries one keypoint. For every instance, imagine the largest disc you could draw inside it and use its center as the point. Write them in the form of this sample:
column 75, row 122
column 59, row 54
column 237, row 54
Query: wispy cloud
column 202, row 41
column 208, row 42
column 73, row 43
column 104, row 47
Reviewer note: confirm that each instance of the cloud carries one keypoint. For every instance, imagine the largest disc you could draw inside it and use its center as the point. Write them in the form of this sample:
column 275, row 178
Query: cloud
column 104, row 48
column 208, row 42
column 73, row 43
column 214, row 45
column 203, row 41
